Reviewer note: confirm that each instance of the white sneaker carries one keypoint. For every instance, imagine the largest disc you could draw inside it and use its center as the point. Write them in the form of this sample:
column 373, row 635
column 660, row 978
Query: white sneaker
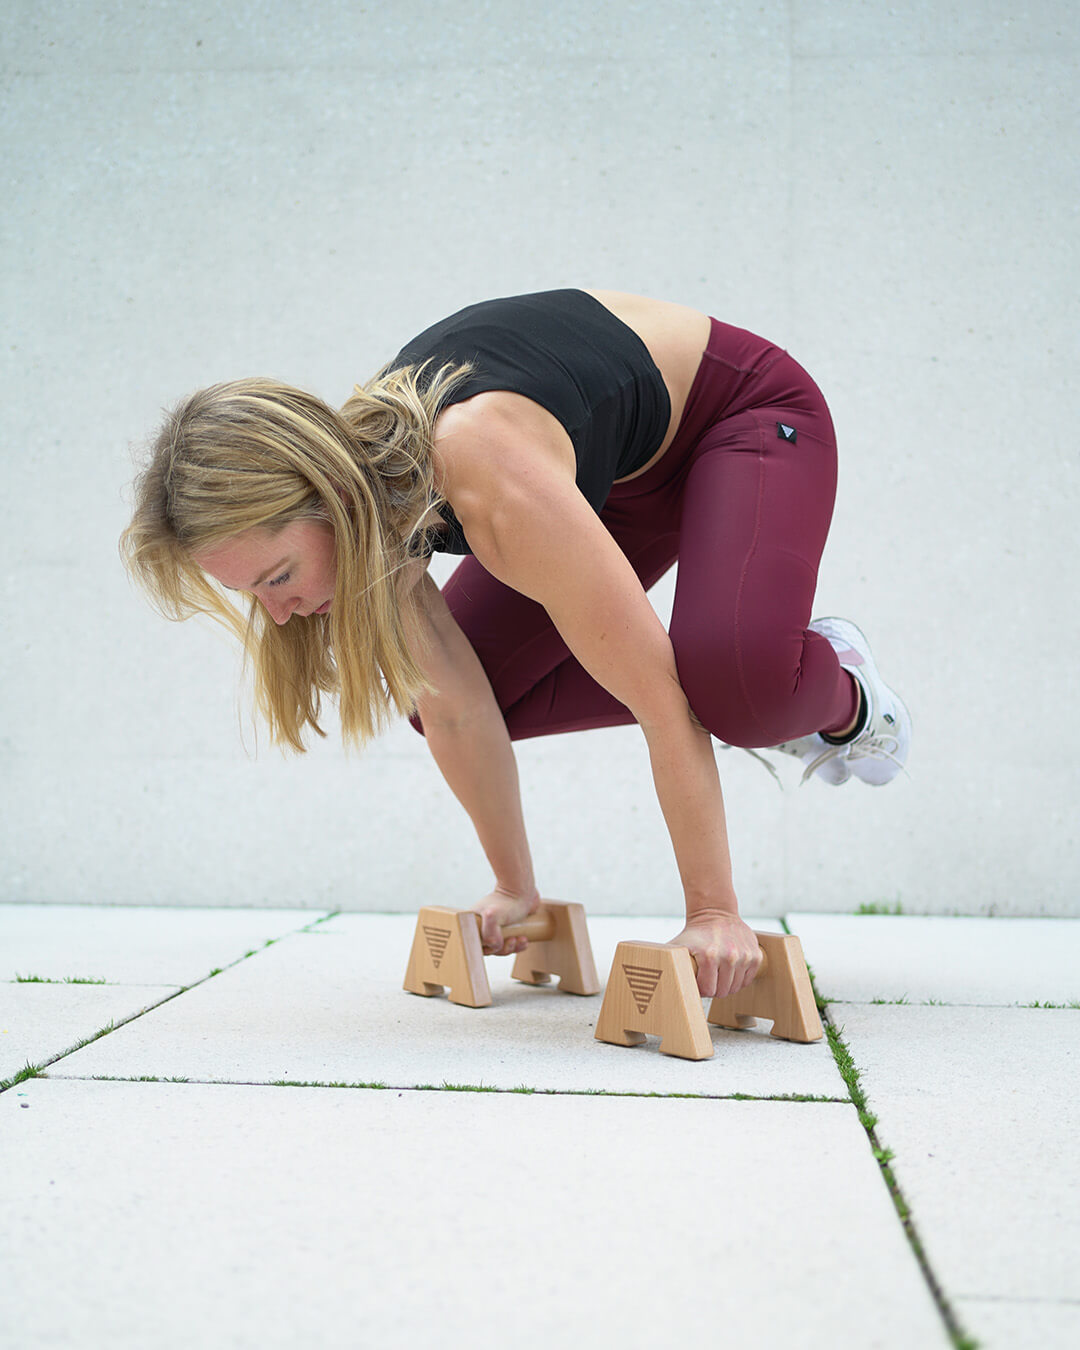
column 877, row 753
column 819, row 757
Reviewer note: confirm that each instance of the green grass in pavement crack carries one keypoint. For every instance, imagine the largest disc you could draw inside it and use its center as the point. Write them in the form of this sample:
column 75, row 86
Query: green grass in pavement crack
column 270, row 942
column 37, row 1070
column 1073, row 1003
column 68, row 979
column 134, row 1078
column 884, row 1156
column 325, row 918
column 301, row 1083
column 31, row 1071
column 524, row 1090
column 880, row 909
column 850, row 1073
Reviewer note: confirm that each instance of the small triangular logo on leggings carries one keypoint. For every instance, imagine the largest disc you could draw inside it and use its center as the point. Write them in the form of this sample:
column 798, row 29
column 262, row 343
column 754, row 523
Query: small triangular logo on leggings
column 786, row 433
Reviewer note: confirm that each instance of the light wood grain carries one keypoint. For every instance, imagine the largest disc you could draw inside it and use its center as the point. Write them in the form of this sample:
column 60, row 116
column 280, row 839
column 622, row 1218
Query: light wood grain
column 447, row 953
column 781, row 992
column 652, row 991
column 566, row 953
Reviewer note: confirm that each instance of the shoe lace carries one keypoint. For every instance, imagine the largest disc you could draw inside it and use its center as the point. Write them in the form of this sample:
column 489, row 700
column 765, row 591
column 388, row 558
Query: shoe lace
column 863, row 747
column 760, row 759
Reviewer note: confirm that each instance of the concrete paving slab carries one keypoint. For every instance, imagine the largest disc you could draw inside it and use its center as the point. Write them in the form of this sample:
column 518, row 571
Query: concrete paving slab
column 858, row 958
column 329, row 1008
column 980, row 1106
column 170, row 1215
column 134, row 944
column 1007, row 1324
column 39, row 1021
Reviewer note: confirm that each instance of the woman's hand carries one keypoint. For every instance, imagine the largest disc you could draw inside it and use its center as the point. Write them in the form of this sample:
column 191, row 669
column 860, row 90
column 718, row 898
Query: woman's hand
column 497, row 910
column 726, row 951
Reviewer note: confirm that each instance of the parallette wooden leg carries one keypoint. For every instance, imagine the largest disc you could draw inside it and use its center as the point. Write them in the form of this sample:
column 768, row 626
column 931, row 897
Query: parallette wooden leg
column 447, row 953
column 652, row 991
column 567, row 953
column 781, row 992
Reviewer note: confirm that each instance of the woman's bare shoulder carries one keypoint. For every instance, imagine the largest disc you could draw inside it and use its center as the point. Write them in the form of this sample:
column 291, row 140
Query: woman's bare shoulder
column 496, row 431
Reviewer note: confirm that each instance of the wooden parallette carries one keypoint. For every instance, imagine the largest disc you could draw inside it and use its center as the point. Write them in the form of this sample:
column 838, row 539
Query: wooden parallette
column 652, row 989
column 446, row 953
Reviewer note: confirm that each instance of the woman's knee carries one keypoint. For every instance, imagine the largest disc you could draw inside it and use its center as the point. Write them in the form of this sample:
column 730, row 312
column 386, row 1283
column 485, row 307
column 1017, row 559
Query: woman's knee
column 741, row 687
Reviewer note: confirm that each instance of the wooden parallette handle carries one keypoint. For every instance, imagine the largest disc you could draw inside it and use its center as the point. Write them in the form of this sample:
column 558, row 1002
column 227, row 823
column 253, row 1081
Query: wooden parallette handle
column 447, row 953
column 538, row 927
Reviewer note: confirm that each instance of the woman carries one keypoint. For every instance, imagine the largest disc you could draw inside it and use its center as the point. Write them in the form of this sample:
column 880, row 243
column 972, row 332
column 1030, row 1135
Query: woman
column 574, row 443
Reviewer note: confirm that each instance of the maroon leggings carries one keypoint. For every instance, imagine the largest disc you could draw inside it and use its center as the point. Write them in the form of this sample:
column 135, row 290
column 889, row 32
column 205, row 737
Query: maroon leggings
column 745, row 508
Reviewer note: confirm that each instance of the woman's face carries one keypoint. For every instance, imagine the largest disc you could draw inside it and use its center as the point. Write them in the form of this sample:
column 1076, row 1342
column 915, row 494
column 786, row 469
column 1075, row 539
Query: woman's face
column 290, row 571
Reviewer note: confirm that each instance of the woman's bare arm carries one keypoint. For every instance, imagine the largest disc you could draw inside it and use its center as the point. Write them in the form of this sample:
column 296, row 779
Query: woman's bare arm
column 528, row 524
column 468, row 740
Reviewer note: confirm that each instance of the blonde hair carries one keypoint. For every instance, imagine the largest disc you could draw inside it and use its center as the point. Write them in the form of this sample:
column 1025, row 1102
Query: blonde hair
column 256, row 454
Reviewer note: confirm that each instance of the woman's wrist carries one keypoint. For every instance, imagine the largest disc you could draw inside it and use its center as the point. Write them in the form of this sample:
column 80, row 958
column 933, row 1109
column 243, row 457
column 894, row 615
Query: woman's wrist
column 720, row 902
column 522, row 890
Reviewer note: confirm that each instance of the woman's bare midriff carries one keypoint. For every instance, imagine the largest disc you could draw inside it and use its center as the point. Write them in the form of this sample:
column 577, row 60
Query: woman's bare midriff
column 676, row 337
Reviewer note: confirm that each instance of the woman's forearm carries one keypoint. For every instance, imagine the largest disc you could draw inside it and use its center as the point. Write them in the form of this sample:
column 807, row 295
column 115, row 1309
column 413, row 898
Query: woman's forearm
column 688, row 789
column 467, row 737
column 474, row 755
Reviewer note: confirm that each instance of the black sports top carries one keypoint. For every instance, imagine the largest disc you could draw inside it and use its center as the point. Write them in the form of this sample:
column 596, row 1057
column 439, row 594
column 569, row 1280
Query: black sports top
column 569, row 353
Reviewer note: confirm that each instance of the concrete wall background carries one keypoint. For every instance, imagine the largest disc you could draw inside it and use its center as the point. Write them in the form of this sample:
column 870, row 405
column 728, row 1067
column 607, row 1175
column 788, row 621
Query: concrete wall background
column 197, row 192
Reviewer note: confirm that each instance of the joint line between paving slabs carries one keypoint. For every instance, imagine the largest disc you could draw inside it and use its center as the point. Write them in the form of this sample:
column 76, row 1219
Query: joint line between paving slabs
column 523, row 1090
column 37, row 1070
column 883, row 1156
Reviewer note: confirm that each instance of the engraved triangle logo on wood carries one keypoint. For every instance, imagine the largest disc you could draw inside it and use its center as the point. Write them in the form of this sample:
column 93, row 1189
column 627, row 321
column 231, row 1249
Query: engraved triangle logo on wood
column 642, row 981
column 437, row 941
